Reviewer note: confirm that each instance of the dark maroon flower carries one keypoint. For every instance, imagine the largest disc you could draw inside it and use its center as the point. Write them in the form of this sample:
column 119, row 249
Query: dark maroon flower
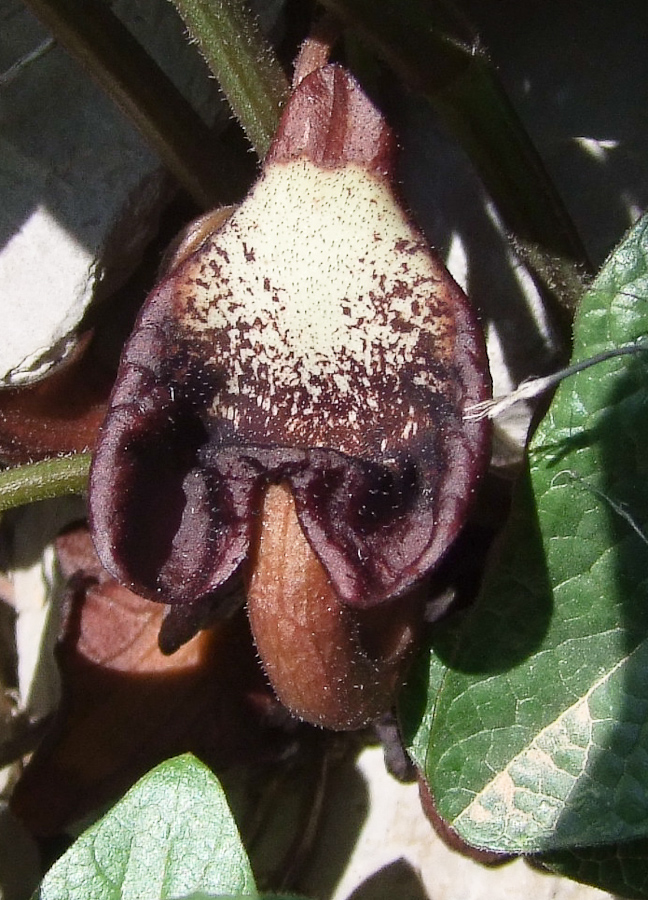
column 316, row 343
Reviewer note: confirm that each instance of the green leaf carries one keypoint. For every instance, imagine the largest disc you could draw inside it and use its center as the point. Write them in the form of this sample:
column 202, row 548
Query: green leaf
column 538, row 736
column 170, row 836
column 417, row 704
column 620, row 869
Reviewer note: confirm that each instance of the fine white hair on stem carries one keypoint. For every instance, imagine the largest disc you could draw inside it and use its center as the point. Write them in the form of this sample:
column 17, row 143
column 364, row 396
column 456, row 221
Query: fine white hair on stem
column 535, row 386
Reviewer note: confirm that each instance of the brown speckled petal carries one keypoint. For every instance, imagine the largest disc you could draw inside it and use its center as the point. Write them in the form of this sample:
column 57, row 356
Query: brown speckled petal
column 313, row 339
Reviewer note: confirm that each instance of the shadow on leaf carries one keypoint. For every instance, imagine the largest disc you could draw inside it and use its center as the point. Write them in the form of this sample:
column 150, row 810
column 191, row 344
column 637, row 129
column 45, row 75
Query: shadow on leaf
column 510, row 620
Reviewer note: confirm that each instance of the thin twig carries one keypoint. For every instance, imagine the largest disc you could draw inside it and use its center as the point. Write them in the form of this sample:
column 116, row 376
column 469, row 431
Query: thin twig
column 14, row 71
column 535, row 386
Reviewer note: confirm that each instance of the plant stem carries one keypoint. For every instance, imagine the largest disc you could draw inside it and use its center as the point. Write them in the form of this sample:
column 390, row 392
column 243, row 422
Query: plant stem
column 245, row 66
column 44, row 480
column 103, row 45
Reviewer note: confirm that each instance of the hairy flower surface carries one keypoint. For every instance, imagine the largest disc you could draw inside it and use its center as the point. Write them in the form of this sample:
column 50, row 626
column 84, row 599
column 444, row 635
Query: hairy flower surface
column 315, row 343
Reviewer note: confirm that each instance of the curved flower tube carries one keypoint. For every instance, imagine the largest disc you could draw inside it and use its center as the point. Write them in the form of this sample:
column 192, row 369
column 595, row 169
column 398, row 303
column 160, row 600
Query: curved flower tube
column 316, row 343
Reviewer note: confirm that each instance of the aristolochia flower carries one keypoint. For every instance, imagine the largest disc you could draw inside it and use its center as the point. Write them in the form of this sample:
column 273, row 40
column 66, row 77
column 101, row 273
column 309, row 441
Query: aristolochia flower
column 290, row 407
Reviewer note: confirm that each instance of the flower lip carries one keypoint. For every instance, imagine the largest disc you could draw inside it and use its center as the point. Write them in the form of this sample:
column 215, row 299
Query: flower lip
column 314, row 339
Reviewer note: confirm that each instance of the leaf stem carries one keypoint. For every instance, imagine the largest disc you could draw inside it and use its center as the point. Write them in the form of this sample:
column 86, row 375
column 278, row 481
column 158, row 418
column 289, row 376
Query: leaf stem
column 44, row 480
column 245, row 66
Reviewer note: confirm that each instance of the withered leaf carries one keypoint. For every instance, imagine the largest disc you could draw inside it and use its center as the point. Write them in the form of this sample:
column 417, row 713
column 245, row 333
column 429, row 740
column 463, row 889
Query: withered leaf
column 60, row 414
column 126, row 706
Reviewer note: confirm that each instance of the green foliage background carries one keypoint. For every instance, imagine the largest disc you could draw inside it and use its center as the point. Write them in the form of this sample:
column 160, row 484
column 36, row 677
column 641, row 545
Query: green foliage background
column 534, row 736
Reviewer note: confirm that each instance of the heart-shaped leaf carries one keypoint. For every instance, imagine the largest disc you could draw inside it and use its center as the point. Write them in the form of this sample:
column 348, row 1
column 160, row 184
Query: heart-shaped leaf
column 534, row 737
column 172, row 835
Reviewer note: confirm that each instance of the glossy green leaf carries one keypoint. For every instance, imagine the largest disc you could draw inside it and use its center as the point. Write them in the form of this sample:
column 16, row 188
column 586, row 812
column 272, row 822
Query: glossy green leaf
column 171, row 836
column 538, row 736
column 417, row 703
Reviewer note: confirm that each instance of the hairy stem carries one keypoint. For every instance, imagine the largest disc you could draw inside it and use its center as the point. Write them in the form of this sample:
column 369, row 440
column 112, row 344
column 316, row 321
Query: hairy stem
column 44, row 480
column 245, row 66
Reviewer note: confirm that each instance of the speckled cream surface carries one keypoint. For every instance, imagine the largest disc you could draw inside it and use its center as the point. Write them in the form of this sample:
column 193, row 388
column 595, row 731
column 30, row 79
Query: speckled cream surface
column 319, row 298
